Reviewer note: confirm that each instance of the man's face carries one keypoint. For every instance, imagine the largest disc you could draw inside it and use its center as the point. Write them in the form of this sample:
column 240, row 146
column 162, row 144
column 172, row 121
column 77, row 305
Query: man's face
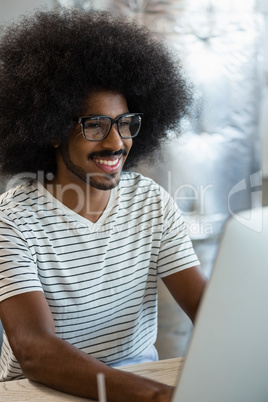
column 97, row 163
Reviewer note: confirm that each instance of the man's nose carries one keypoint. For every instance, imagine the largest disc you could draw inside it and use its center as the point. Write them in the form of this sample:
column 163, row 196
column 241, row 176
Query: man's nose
column 113, row 140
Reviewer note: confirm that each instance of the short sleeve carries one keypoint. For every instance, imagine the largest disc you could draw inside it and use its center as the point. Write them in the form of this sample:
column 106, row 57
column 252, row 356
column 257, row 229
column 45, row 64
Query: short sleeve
column 18, row 271
column 176, row 250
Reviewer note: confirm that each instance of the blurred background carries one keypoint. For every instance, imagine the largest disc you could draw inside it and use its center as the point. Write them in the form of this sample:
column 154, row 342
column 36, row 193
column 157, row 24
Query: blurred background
column 219, row 166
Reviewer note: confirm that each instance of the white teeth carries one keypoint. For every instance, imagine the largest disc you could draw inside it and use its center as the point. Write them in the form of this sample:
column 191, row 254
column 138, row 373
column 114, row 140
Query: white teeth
column 108, row 163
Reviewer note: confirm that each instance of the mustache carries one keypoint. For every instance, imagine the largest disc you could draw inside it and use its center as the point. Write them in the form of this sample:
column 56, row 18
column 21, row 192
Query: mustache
column 107, row 153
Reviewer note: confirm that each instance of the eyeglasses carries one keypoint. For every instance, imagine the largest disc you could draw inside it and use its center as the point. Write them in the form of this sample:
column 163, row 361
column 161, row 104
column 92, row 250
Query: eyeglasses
column 97, row 128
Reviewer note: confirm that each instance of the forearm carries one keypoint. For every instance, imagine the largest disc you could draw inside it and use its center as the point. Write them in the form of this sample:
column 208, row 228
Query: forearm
column 61, row 366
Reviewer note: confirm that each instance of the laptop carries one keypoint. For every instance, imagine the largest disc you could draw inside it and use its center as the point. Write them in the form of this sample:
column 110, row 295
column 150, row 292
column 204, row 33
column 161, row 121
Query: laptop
column 227, row 358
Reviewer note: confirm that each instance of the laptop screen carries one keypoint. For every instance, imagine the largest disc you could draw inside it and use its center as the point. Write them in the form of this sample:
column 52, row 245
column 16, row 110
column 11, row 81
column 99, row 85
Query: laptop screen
column 227, row 358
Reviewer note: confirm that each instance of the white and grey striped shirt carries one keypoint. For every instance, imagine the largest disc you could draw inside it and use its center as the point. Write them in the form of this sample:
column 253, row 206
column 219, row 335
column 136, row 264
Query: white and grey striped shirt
column 100, row 279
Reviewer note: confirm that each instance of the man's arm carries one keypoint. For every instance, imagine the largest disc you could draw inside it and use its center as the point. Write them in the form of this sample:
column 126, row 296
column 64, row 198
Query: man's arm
column 49, row 360
column 187, row 287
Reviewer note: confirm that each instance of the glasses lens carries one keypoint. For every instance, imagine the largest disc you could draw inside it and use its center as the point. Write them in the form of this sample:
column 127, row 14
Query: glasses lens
column 129, row 125
column 96, row 128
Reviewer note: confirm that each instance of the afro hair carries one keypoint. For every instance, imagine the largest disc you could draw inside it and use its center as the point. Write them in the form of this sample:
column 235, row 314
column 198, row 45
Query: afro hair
column 51, row 61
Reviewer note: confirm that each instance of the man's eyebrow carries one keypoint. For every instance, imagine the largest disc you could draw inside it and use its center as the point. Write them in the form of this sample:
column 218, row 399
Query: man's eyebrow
column 94, row 115
column 101, row 114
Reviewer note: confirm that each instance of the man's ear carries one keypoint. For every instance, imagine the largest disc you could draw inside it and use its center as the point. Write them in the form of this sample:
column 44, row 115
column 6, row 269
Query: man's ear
column 55, row 144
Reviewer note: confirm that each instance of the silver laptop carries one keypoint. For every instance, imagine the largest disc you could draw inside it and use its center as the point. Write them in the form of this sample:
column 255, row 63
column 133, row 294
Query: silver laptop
column 227, row 358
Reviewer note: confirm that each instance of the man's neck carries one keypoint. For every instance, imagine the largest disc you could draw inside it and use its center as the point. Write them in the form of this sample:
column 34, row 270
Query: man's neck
column 85, row 200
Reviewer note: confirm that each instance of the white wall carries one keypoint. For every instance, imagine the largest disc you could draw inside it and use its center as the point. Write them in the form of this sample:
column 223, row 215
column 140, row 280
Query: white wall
column 264, row 132
column 263, row 7
column 11, row 9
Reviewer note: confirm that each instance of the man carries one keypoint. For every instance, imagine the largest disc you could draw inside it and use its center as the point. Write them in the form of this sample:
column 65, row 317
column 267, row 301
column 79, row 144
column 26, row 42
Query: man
column 82, row 96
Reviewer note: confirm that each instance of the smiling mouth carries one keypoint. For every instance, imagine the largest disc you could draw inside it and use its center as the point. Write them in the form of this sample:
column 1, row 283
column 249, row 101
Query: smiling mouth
column 107, row 162
column 108, row 165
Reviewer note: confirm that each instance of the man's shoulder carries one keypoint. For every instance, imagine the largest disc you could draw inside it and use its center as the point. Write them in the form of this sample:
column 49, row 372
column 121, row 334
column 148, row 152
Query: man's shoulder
column 137, row 183
column 18, row 195
column 137, row 180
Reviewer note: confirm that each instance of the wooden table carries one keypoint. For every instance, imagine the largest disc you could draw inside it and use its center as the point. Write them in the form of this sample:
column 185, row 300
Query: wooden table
column 166, row 371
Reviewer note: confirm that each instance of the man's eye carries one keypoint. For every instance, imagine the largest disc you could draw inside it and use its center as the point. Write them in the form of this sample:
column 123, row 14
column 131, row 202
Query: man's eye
column 91, row 124
column 124, row 123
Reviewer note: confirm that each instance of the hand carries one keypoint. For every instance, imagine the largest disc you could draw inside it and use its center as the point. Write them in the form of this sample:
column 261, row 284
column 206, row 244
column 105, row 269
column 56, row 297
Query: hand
column 166, row 396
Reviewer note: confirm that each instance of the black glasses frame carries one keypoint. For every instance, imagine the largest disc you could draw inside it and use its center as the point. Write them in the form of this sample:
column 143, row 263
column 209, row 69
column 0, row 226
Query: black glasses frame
column 81, row 121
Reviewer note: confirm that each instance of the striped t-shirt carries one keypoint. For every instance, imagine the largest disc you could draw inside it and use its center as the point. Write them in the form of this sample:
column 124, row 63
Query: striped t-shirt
column 99, row 279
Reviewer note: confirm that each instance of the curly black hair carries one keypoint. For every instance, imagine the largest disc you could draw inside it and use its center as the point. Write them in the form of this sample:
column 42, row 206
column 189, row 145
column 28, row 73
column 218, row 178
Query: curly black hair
column 51, row 61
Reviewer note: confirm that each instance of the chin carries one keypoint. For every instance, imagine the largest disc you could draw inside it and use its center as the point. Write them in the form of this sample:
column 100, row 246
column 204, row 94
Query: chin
column 108, row 182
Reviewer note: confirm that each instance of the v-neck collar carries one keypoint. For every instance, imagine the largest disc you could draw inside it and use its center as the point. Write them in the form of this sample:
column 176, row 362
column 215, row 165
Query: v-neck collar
column 74, row 215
